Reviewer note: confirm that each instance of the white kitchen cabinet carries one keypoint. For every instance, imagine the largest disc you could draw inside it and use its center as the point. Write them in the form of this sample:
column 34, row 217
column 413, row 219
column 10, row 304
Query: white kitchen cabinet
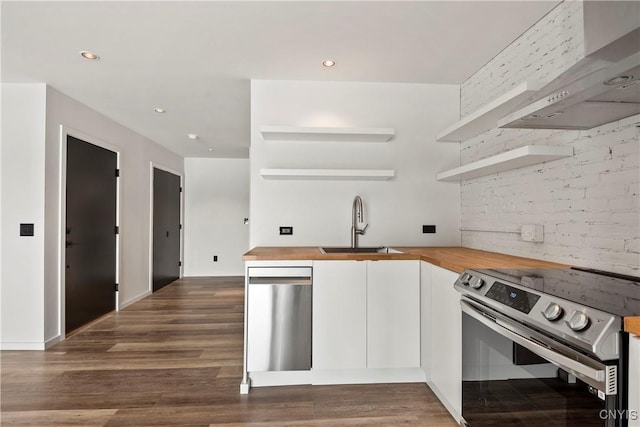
column 366, row 314
column 446, row 340
column 425, row 318
column 393, row 314
column 339, row 314
column 634, row 381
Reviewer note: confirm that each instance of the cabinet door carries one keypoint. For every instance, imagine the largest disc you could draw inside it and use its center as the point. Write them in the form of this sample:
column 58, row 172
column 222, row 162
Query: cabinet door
column 446, row 339
column 339, row 315
column 393, row 314
column 425, row 318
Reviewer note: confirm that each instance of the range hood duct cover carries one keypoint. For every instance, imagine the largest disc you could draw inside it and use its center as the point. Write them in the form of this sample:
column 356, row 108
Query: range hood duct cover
column 601, row 88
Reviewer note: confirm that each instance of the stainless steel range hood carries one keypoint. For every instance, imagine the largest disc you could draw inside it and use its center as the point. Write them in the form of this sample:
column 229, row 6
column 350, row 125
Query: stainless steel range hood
column 601, row 88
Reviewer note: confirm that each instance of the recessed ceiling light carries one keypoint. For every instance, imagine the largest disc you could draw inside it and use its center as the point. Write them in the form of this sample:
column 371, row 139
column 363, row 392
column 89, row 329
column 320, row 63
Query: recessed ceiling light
column 328, row 62
column 89, row 55
column 618, row 80
column 210, row 149
column 192, row 136
column 159, row 110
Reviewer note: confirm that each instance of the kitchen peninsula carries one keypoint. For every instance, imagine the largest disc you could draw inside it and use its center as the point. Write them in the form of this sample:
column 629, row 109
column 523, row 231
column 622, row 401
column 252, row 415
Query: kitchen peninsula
column 376, row 318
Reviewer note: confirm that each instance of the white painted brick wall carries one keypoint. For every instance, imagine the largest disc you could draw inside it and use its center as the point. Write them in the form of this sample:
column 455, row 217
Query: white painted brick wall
column 544, row 51
column 589, row 204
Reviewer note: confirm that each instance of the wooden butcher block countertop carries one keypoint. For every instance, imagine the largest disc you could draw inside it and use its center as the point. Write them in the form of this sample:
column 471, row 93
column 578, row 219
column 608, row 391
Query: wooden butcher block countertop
column 452, row 258
column 460, row 259
column 632, row 325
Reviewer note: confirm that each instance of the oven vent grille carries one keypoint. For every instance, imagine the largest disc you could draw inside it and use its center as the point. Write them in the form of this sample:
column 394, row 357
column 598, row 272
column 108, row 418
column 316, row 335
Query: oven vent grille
column 612, row 380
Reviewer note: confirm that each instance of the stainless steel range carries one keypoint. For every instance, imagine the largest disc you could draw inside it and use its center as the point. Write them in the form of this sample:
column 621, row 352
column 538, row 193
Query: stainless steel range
column 545, row 347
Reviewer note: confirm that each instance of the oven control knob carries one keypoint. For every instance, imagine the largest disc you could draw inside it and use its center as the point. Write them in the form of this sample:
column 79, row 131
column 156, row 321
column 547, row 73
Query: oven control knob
column 553, row 312
column 476, row 282
column 464, row 279
column 578, row 321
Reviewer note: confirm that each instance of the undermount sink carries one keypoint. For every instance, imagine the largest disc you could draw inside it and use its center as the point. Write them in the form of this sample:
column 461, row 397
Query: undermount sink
column 359, row 250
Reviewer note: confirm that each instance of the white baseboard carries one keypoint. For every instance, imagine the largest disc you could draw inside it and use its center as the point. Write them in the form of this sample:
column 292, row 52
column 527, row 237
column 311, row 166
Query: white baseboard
column 134, row 300
column 52, row 341
column 268, row 379
column 338, row 376
column 22, row 346
column 368, row 376
column 455, row 412
column 37, row 346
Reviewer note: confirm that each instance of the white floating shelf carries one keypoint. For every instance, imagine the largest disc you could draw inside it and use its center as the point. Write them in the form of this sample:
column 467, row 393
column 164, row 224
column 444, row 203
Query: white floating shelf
column 486, row 118
column 326, row 134
column 329, row 174
column 514, row 159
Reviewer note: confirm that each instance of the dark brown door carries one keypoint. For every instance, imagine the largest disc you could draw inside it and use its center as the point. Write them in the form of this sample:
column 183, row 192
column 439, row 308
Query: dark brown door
column 90, row 254
column 166, row 228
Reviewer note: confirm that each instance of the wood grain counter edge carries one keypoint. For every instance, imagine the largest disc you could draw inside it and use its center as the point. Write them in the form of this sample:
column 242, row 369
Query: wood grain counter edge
column 632, row 325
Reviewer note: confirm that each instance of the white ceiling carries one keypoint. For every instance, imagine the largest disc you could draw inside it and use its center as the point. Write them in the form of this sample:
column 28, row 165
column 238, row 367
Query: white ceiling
column 196, row 58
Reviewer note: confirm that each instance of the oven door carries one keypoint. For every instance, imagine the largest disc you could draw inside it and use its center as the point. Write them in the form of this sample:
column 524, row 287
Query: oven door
column 516, row 376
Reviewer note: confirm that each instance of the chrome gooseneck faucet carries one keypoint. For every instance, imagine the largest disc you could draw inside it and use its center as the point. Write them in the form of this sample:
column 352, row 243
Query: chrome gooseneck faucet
column 357, row 216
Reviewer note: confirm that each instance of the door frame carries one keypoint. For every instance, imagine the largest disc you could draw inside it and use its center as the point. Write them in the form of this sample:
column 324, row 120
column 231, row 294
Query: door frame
column 160, row 166
column 62, row 217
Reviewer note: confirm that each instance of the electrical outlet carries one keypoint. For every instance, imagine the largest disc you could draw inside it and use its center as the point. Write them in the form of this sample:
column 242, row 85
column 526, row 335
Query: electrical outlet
column 532, row 233
column 286, row 231
column 215, row 258
column 428, row 228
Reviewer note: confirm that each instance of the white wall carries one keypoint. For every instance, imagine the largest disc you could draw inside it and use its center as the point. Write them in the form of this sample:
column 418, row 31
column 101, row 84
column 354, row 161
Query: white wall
column 32, row 116
column 589, row 204
column 320, row 211
column 23, row 186
column 216, row 196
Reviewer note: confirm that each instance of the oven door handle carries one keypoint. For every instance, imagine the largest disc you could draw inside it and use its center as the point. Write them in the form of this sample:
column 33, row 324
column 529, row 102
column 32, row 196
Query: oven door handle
column 601, row 377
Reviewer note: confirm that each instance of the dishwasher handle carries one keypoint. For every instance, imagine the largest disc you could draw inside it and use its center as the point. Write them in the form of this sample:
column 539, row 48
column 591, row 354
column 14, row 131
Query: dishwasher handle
column 280, row 275
column 297, row 281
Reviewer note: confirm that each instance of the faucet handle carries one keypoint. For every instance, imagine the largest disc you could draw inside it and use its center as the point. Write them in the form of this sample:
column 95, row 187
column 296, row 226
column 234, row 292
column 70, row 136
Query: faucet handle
column 364, row 229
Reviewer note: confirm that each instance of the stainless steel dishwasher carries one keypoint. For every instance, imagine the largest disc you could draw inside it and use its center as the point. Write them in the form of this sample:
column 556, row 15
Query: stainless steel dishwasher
column 279, row 319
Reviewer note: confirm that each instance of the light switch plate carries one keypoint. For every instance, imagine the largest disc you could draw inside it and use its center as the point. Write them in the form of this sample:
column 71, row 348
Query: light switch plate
column 26, row 229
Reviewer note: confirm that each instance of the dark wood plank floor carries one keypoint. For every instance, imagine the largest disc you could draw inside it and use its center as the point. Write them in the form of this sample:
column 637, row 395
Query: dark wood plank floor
column 175, row 358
